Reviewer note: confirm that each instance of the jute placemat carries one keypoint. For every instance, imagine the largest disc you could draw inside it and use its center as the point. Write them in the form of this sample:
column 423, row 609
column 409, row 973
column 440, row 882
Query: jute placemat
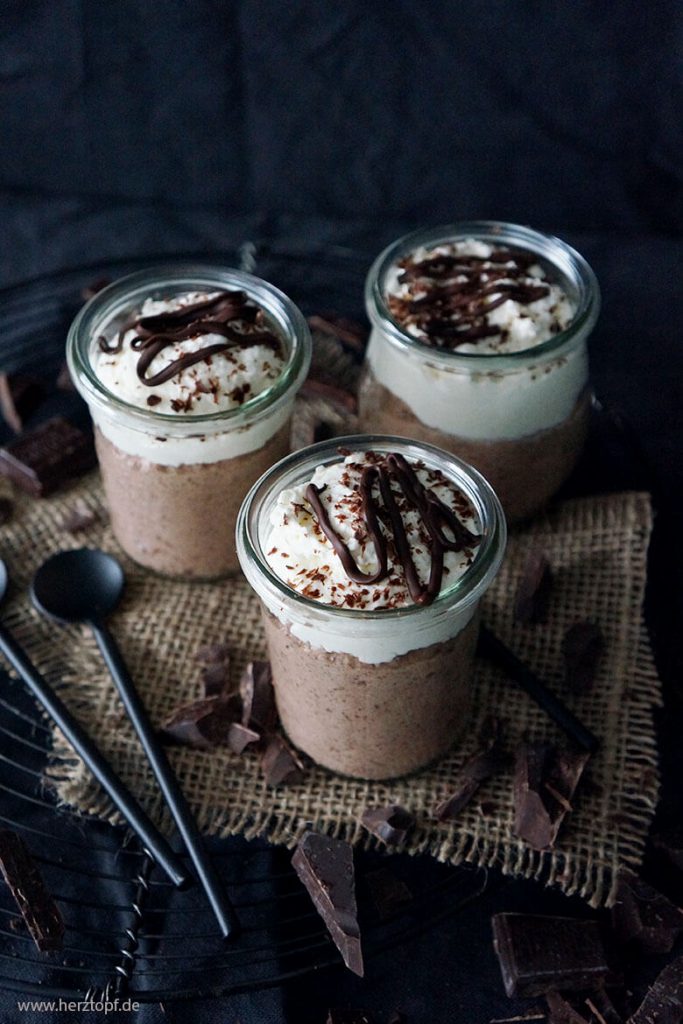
column 598, row 549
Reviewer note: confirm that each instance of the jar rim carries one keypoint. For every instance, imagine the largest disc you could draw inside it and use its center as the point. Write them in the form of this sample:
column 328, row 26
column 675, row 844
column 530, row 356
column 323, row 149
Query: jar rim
column 285, row 317
column 463, row 592
column 573, row 267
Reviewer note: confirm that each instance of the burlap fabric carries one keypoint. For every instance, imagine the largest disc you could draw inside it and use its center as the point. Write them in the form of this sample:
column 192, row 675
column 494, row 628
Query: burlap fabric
column 598, row 548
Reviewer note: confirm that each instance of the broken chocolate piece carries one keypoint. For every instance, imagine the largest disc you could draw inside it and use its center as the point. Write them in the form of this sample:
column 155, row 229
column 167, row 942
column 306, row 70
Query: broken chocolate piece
column 25, row 882
column 43, row 459
column 389, row 893
column 481, row 766
column 79, row 518
column 545, row 781
column 215, row 662
column 6, row 510
column 643, row 916
column 325, row 867
column 534, row 589
column 202, row 724
column 280, row 764
column 19, row 397
column 343, row 400
column 663, row 1003
column 240, row 736
column 258, row 699
column 353, row 335
column 335, row 1016
column 390, row 824
column 561, row 1011
column 582, row 646
column 543, row 954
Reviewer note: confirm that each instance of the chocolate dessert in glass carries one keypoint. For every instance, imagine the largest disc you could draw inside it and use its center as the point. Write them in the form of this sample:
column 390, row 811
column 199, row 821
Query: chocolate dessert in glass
column 190, row 375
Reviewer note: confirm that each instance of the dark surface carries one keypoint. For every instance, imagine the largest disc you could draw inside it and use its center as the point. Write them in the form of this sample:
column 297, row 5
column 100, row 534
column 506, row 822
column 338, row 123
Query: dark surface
column 320, row 133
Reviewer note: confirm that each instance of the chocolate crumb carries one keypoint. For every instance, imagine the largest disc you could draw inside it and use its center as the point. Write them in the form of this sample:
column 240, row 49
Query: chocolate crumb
column 279, row 763
column 534, row 589
column 390, row 824
column 582, row 646
column 154, row 400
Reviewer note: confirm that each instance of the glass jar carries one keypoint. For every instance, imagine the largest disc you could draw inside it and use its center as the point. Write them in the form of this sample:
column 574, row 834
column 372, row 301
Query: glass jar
column 174, row 483
column 521, row 418
column 371, row 693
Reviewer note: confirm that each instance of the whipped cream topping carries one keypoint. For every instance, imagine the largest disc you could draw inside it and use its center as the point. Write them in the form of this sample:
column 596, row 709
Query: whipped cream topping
column 299, row 552
column 470, row 296
column 221, row 381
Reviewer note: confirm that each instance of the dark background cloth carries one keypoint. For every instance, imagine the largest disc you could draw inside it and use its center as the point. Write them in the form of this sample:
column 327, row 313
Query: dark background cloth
column 133, row 129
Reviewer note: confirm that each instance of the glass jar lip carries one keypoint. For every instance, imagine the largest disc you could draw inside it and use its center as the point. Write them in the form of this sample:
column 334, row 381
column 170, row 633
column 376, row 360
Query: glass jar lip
column 467, row 589
column 567, row 260
column 286, row 317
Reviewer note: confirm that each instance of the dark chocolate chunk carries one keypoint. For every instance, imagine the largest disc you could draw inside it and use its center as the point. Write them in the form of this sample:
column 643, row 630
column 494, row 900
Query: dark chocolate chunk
column 6, row 510
column 663, row 1003
column 481, row 766
column 279, row 763
column 325, row 867
column 390, row 824
column 545, row 781
column 240, row 736
column 64, row 380
column 94, row 287
column 19, row 397
column 258, row 699
column 344, row 400
column 534, row 589
column 350, row 333
column 643, row 916
column 215, row 662
column 670, row 844
column 79, row 518
column 582, row 646
column 389, row 893
column 543, row 954
column 202, row 724
column 43, row 459
column 561, row 1010
column 335, row 1016
column 25, row 882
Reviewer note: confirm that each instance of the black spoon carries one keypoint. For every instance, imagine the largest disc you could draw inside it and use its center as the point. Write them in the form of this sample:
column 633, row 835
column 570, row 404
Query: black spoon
column 85, row 586
column 76, row 735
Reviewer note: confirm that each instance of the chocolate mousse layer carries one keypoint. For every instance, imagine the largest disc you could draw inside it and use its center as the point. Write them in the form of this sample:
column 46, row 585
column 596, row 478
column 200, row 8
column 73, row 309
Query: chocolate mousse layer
column 372, row 721
column 160, row 514
column 524, row 472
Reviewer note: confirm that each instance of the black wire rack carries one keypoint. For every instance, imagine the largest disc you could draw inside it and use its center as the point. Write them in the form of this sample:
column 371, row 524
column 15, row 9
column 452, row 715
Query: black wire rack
column 129, row 933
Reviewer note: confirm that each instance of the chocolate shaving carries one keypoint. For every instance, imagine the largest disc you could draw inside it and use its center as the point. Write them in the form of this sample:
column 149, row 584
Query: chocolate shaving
column 202, row 724
column 487, row 761
column 279, row 763
column 19, row 397
column 644, row 917
column 45, row 458
column 663, row 1003
column 390, row 824
column 534, row 589
column 258, row 698
column 582, row 646
column 24, row 880
column 449, row 295
column 325, row 867
column 389, row 893
column 545, row 781
column 538, row 954
column 436, row 516
column 79, row 518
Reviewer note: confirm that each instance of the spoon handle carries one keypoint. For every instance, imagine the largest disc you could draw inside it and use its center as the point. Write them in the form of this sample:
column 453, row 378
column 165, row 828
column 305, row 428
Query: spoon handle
column 84, row 746
column 173, row 794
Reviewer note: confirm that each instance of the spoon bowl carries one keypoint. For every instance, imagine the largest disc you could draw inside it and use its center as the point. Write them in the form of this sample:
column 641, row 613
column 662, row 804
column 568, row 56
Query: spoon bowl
column 83, row 585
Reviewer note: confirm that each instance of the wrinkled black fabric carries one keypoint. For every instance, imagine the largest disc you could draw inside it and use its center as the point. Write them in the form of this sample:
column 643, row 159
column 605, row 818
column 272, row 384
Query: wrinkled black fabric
column 319, row 132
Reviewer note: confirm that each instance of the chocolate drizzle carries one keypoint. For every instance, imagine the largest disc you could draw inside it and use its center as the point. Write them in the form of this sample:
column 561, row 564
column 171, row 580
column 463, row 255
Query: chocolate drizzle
column 450, row 295
column 229, row 314
column 435, row 515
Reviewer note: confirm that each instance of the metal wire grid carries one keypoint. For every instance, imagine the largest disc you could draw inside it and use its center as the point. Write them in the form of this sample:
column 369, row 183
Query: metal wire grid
column 128, row 931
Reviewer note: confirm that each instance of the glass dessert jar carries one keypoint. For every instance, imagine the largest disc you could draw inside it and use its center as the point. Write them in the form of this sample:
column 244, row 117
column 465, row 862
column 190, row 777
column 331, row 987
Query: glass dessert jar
column 372, row 675
column 479, row 345
column 190, row 374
